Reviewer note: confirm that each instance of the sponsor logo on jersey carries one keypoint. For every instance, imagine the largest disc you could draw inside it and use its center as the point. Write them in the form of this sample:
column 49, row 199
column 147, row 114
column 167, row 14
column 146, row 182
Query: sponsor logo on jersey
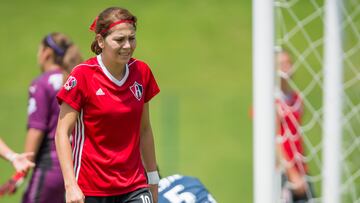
column 70, row 83
column 100, row 92
column 137, row 90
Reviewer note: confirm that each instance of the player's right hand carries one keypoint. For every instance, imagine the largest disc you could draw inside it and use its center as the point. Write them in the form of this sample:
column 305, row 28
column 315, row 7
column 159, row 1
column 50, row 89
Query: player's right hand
column 74, row 194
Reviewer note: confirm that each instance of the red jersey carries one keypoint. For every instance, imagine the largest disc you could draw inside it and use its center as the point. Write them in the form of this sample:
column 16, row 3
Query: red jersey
column 290, row 108
column 106, row 138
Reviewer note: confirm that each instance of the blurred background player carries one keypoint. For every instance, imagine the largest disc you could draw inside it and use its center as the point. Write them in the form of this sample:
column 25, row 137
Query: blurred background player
column 183, row 189
column 20, row 162
column 290, row 145
column 57, row 55
column 106, row 102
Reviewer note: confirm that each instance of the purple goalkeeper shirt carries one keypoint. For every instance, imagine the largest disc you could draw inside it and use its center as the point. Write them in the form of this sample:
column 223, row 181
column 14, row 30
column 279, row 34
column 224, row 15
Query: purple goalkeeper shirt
column 43, row 112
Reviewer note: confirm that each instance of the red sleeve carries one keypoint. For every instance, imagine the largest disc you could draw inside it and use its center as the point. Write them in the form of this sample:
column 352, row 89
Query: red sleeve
column 73, row 92
column 152, row 87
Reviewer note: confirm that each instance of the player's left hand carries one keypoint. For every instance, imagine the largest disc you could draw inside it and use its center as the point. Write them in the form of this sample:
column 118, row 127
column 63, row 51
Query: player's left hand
column 154, row 192
column 22, row 162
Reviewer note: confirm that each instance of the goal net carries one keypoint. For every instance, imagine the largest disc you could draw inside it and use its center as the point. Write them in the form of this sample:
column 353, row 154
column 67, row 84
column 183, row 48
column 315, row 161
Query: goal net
column 299, row 33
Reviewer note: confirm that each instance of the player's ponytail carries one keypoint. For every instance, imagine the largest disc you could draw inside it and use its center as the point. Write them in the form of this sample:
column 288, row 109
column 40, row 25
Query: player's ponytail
column 72, row 58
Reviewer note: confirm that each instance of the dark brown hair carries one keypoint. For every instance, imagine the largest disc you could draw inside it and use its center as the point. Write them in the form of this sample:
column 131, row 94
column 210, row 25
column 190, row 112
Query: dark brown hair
column 66, row 54
column 105, row 19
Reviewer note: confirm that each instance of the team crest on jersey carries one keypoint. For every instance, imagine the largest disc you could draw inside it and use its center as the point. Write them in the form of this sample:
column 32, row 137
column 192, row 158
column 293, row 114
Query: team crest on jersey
column 137, row 90
column 70, row 83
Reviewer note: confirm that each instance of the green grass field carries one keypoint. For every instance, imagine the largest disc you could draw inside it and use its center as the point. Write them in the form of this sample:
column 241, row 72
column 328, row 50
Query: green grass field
column 200, row 53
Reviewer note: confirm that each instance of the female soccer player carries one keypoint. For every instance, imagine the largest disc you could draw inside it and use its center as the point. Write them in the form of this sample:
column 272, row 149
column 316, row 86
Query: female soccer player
column 289, row 112
column 20, row 162
column 56, row 57
column 105, row 103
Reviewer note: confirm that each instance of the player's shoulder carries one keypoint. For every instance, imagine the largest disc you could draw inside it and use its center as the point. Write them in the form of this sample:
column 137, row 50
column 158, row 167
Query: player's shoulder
column 45, row 77
column 138, row 64
column 190, row 180
column 180, row 185
column 172, row 178
column 87, row 66
column 185, row 177
column 179, row 179
column 49, row 81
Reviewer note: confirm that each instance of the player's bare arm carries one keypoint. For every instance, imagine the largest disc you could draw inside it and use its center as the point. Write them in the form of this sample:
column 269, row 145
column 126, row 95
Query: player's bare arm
column 33, row 141
column 148, row 149
column 21, row 162
column 66, row 123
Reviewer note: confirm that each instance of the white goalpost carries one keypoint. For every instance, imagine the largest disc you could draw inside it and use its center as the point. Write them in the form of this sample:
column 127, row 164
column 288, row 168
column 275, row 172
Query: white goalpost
column 332, row 103
column 306, row 83
column 263, row 83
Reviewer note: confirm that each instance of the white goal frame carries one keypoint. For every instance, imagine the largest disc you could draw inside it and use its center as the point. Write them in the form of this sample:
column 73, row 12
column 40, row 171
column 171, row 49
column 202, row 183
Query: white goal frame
column 264, row 107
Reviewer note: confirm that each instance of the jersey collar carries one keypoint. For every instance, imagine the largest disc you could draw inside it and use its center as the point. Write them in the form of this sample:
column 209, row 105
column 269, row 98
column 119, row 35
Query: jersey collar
column 108, row 74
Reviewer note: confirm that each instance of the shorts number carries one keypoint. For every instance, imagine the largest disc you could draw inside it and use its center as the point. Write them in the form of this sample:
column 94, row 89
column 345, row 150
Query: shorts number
column 176, row 196
column 145, row 199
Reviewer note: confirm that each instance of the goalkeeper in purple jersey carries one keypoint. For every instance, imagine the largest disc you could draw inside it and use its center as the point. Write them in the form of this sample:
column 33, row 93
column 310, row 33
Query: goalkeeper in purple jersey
column 57, row 55
column 183, row 189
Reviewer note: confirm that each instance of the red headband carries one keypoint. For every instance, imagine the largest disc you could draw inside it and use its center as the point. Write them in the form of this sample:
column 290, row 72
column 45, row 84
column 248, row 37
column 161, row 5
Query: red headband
column 93, row 25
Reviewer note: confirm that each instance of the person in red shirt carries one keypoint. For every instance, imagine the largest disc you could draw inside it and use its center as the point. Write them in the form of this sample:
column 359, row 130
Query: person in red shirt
column 105, row 107
column 289, row 105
